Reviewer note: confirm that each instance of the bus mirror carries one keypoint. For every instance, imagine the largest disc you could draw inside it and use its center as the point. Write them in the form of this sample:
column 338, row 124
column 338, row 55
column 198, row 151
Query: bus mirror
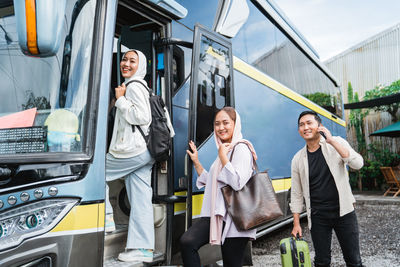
column 231, row 16
column 39, row 26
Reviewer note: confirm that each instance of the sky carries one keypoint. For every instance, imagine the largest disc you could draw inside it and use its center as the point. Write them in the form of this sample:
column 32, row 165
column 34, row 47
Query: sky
column 333, row 26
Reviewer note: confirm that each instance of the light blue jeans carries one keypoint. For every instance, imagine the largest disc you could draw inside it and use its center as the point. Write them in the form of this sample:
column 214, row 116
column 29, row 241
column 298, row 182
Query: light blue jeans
column 137, row 174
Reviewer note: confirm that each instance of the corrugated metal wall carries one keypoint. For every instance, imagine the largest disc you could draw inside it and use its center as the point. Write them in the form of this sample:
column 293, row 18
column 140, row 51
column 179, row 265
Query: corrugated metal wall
column 374, row 61
column 366, row 65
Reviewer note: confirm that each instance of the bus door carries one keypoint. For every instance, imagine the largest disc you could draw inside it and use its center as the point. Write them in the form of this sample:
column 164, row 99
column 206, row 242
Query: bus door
column 211, row 88
column 139, row 28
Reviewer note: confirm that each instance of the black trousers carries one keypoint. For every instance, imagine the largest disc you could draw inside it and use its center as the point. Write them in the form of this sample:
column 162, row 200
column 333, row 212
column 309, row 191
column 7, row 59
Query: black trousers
column 346, row 229
column 199, row 234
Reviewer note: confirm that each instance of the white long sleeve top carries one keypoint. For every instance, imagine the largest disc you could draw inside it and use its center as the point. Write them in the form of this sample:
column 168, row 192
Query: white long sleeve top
column 132, row 109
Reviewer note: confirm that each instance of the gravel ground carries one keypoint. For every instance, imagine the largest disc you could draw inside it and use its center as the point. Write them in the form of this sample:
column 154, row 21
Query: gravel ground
column 379, row 226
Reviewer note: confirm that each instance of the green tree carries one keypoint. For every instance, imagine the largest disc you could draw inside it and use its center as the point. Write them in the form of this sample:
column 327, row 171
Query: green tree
column 356, row 120
column 326, row 101
column 381, row 91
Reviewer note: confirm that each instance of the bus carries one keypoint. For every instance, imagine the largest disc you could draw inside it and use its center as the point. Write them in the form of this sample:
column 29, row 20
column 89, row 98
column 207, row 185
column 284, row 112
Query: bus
column 59, row 65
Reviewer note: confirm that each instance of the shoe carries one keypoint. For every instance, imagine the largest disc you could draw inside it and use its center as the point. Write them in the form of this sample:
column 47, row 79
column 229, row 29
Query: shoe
column 109, row 224
column 140, row 255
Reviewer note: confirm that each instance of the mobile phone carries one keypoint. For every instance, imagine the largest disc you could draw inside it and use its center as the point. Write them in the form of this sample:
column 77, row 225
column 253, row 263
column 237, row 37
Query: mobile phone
column 322, row 133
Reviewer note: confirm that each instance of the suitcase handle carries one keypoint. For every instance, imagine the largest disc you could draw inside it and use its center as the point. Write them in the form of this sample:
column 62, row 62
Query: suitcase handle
column 298, row 237
column 293, row 248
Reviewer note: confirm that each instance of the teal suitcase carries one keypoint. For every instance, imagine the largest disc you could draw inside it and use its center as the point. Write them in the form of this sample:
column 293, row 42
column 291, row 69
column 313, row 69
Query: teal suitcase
column 294, row 252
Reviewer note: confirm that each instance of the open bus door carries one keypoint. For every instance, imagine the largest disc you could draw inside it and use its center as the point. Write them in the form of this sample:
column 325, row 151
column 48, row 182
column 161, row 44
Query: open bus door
column 211, row 88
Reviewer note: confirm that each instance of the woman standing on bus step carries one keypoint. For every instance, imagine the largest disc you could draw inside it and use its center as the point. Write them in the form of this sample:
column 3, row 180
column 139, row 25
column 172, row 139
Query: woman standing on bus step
column 129, row 158
column 215, row 225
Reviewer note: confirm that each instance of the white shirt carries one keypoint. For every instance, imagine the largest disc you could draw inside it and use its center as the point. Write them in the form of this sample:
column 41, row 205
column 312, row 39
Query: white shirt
column 132, row 109
column 337, row 165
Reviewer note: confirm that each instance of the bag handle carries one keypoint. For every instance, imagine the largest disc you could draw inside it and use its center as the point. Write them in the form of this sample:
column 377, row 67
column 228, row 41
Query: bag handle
column 254, row 161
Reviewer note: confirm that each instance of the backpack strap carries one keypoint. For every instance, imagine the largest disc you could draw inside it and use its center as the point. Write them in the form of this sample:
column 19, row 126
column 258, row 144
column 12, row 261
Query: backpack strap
column 150, row 93
column 142, row 83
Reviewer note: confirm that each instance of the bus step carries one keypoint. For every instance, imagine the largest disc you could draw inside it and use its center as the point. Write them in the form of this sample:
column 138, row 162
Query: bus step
column 111, row 262
column 114, row 243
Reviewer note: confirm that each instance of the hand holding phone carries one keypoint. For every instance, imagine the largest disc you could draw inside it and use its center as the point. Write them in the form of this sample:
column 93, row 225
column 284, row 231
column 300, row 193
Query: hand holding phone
column 323, row 134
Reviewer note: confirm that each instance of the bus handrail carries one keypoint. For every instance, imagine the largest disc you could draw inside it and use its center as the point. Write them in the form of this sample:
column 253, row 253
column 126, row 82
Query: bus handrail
column 174, row 41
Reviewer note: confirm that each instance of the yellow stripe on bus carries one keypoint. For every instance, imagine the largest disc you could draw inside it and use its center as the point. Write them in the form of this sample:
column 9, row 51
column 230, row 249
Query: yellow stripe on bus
column 197, row 201
column 279, row 185
column 261, row 77
column 82, row 217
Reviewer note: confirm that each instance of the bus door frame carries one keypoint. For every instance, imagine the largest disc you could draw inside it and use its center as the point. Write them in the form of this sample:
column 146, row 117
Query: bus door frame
column 199, row 32
column 165, row 23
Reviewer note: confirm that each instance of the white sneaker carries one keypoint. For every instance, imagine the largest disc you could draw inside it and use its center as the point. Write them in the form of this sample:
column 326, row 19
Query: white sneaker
column 139, row 255
column 109, row 224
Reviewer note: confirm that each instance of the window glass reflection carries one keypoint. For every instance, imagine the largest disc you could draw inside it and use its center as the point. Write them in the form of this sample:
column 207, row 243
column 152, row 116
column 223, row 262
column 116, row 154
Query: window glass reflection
column 32, row 117
column 202, row 12
column 213, row 74
column 263, row 45
column 256, row 37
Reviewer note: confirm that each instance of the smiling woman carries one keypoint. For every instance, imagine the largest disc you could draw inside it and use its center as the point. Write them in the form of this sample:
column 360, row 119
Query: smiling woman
column 129, row 64
column 224, row 124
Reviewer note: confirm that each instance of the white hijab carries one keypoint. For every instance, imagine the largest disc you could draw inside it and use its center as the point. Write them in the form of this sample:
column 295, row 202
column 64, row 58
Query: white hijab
column 139, row 75
column 141, row 70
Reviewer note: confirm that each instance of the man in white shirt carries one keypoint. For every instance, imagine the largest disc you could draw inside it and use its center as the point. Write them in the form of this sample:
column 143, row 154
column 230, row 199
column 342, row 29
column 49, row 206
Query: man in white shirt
column 320, row 177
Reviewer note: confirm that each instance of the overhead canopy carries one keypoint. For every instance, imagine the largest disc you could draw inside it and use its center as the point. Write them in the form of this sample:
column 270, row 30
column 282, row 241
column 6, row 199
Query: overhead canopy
column 390, row 131
column 385, row 100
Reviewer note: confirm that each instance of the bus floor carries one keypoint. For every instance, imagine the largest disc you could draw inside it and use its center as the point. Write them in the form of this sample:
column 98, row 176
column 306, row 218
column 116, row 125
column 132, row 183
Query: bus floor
column 114, row 243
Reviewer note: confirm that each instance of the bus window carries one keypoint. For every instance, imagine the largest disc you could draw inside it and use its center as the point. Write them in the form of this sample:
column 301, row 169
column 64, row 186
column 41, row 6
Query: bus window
column 220, row 91
column 211, row 81
column 46, row 103
column 262, row 43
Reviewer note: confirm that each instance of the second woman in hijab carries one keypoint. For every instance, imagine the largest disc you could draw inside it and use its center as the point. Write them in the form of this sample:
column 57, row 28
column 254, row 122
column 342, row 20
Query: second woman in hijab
column 128, row 157
column 215, row 225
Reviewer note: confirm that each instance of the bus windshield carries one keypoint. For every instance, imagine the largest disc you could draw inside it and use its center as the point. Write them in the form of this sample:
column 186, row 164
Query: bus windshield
column 43, row 98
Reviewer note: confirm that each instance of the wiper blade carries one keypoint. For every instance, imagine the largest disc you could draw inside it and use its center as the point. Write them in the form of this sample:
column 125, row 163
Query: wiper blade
column 4, row 172
column 8, row 38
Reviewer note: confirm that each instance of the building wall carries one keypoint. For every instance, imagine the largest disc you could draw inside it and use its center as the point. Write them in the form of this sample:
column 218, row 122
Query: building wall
column 373, row 62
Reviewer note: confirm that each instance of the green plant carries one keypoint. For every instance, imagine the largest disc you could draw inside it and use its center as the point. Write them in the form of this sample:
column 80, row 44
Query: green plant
column 326, row 101
column 356, row 120
column 321, row 99
column 370, row 173
column 381, row 91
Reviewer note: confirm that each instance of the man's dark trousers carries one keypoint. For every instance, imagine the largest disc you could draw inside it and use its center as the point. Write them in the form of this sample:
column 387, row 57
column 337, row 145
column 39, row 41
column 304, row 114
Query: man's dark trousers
column 346, row 229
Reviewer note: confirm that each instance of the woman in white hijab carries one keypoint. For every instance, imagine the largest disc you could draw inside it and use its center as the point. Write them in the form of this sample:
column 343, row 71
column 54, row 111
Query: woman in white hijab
column 129, row 159
column 215, row 225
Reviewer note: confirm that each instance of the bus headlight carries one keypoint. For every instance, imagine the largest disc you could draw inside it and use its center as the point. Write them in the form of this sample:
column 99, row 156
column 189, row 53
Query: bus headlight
column 31, row 220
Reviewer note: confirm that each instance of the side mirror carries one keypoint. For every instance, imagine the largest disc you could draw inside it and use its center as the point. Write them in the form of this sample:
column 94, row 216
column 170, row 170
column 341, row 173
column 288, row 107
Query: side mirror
column 39, row 26
column 231, row 16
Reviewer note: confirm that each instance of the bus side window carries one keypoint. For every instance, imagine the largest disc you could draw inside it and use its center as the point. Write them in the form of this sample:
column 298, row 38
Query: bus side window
column 211, row 79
